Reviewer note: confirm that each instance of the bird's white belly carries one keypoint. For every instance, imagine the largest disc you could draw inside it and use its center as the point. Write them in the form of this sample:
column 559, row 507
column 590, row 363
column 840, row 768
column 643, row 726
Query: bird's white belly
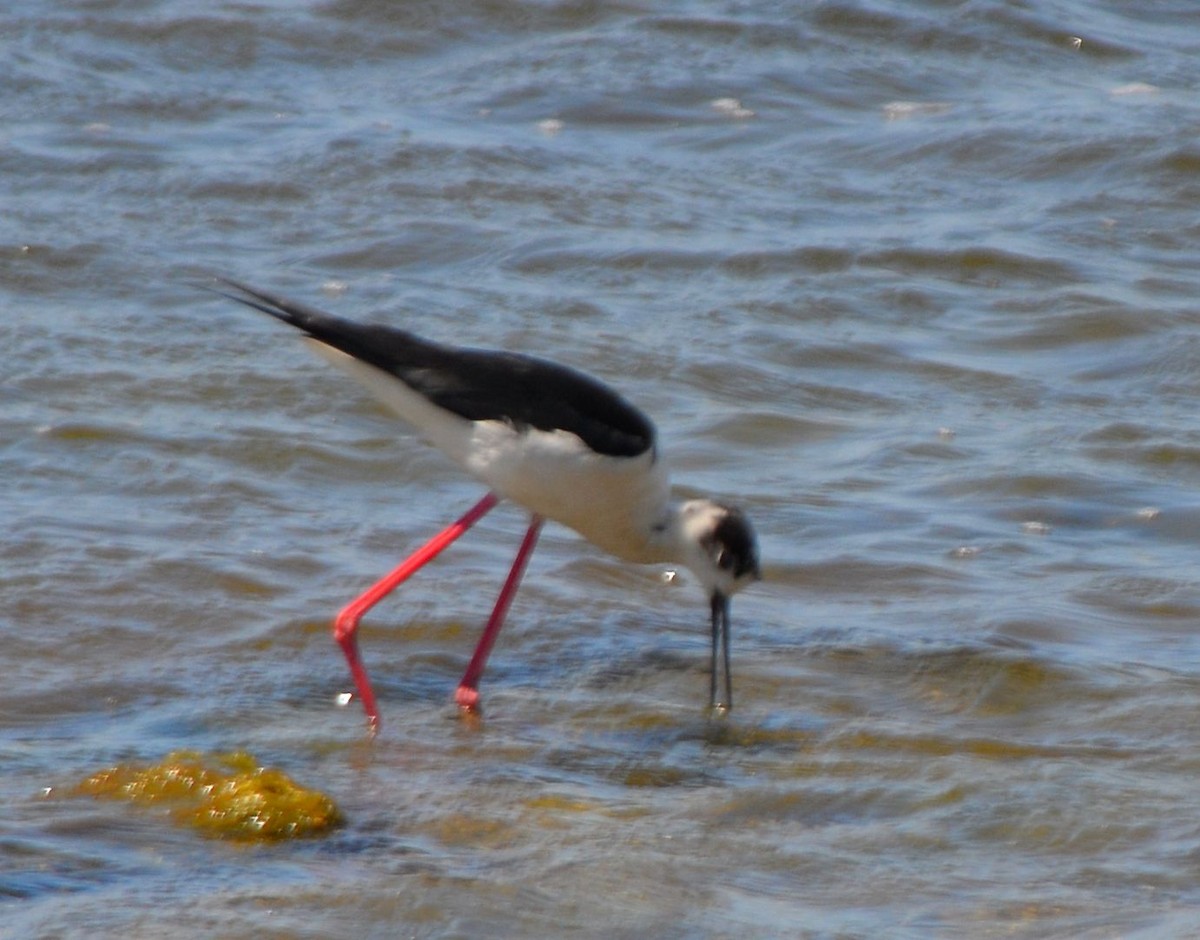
column 613, row 502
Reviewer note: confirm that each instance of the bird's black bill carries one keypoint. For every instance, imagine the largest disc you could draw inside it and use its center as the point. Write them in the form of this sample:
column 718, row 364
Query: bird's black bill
column 720, row 653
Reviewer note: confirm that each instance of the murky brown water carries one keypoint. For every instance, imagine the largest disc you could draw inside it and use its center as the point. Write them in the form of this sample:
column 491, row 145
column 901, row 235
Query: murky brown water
column 914, row 283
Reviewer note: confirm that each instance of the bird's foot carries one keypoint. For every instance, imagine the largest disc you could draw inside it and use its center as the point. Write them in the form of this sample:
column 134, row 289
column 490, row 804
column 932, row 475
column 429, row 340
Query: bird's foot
column 467, row 700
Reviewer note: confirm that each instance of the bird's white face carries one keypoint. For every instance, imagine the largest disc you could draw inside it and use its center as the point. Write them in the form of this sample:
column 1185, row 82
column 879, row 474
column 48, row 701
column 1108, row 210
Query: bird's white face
column 722, row 550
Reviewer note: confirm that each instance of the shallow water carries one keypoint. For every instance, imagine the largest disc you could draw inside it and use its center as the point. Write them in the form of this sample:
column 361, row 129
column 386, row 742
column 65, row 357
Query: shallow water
column 914, row 283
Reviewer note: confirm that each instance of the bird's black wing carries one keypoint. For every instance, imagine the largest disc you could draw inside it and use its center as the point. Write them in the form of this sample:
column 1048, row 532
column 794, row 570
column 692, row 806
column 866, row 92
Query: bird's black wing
column 480, row 385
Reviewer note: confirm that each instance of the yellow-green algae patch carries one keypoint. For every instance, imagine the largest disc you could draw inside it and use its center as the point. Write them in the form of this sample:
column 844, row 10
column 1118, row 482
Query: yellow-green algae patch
column 230, row 796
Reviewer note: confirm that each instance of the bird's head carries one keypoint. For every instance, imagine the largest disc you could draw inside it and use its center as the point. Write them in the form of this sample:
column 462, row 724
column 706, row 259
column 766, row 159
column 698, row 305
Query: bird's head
column 721, row 550
column 719, row 545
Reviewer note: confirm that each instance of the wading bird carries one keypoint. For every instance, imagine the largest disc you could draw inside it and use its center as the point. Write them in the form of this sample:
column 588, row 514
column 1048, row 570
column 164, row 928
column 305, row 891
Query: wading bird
column 556, row 441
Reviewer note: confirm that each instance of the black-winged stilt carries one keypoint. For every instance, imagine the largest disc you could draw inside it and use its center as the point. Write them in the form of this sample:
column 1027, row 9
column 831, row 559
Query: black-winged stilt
column 559, row 442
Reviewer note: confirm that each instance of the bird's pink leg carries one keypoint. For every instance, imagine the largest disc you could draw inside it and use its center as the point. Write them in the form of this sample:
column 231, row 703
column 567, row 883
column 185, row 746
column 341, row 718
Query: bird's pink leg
column 467, row 695
column 345, row 627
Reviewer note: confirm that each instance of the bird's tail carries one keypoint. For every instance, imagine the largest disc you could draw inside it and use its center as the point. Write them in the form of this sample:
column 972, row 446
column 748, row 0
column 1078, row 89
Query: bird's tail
column 296, row 314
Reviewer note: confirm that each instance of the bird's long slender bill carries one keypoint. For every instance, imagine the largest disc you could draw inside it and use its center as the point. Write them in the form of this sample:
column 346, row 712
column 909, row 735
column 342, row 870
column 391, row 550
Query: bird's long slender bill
column 720, row 654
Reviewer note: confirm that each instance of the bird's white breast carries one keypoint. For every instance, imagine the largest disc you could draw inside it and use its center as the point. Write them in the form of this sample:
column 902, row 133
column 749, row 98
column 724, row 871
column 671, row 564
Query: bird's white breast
column 613, row 502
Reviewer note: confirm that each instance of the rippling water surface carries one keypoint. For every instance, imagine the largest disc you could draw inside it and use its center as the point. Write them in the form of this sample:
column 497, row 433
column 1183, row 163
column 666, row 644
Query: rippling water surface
column 914, row 282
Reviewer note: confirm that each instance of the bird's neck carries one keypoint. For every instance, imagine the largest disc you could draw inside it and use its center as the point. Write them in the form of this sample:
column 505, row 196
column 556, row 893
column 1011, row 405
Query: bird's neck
column 668, row 538
column 652, row 536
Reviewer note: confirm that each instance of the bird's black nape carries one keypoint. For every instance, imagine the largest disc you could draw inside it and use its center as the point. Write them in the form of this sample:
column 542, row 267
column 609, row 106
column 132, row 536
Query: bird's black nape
column 738, row 546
